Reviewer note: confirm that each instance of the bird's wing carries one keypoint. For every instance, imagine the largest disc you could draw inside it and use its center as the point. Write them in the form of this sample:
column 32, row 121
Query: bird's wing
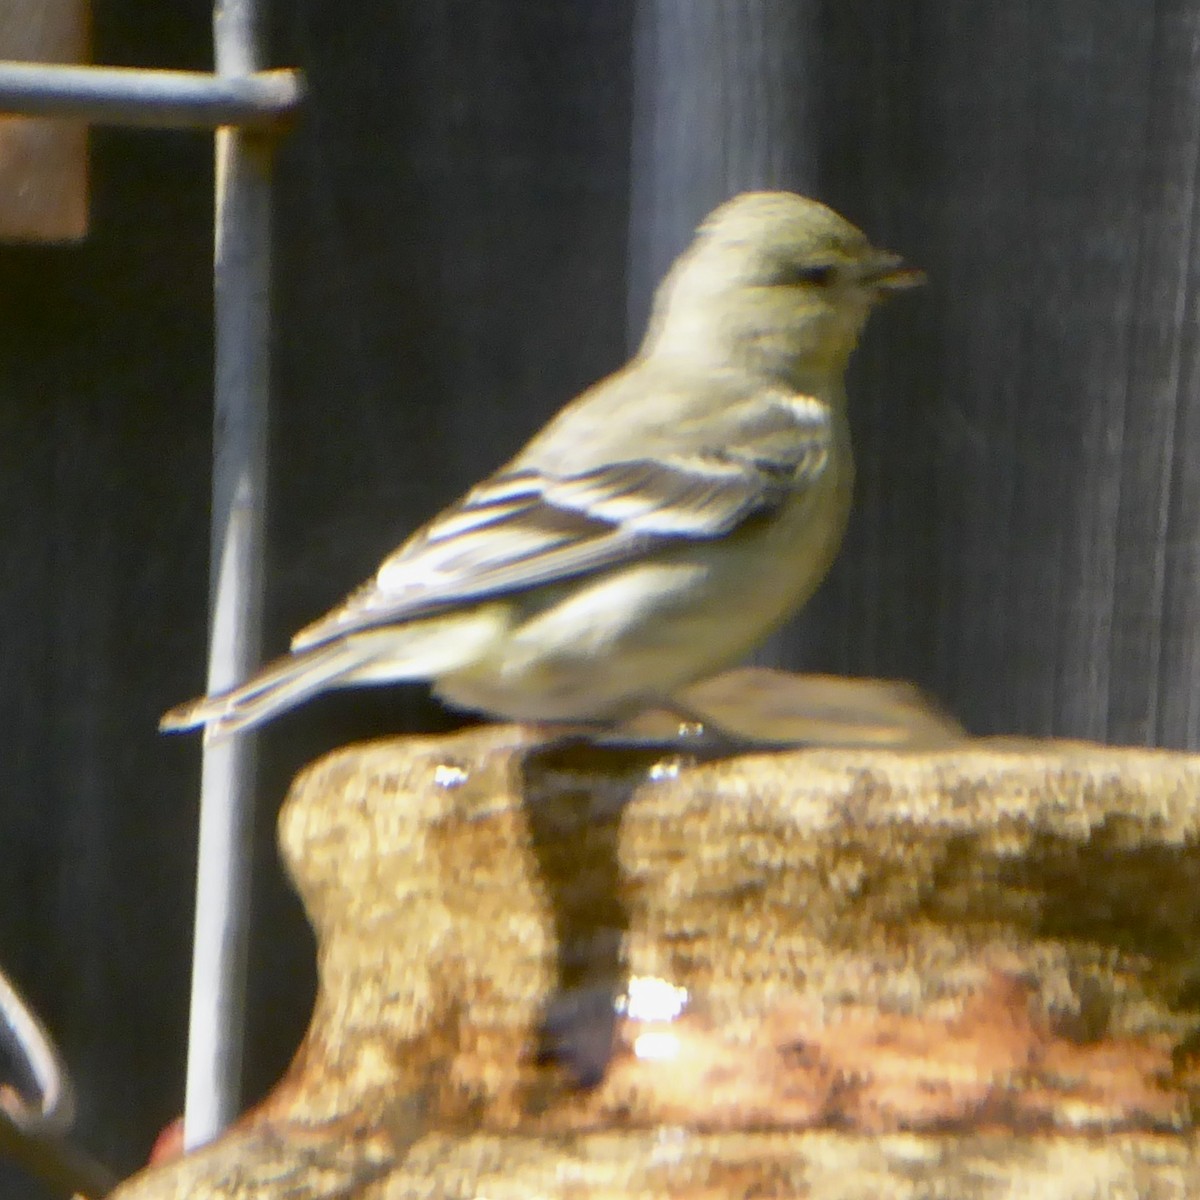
column 528, row 527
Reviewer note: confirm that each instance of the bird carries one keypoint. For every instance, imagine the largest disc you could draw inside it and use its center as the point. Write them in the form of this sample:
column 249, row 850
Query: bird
column 656, row 529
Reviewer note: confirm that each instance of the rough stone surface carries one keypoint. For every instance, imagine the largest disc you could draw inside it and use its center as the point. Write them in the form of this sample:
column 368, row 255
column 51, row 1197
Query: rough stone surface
column 553, row 969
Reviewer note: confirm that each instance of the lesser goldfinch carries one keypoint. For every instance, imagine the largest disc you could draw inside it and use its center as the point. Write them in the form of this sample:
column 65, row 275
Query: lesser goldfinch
column 657, row 529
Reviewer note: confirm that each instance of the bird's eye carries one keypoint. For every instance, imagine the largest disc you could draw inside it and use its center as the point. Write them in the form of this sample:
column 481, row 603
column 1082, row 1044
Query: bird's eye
column 815, row 275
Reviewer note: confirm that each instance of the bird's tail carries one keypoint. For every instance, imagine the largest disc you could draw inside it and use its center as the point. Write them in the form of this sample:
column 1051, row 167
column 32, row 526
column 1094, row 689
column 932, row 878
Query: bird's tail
column 415, row 650
column 279, row 685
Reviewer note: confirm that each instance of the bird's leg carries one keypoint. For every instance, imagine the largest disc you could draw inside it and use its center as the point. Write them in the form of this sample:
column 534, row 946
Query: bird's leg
column 697, row 736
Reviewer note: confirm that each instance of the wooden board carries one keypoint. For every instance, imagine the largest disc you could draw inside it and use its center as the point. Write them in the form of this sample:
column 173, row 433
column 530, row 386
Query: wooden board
column 43, row 162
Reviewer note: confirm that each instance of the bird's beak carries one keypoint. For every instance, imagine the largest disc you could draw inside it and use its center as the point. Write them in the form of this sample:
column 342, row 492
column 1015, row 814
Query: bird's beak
column 889, row 273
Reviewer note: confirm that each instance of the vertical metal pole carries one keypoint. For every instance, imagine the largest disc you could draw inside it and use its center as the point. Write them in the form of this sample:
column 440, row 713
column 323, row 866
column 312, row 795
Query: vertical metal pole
column 243, row 320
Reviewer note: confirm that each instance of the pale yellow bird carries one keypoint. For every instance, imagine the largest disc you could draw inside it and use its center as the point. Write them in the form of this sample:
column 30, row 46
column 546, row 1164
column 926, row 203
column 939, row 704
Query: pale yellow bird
column 657, row 529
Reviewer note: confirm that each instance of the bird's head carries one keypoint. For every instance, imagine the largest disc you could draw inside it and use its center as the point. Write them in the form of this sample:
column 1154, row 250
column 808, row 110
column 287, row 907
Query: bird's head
column 773, row 282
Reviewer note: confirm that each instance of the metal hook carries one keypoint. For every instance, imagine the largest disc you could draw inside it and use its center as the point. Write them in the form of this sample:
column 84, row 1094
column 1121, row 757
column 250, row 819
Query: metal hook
column 32, row 1131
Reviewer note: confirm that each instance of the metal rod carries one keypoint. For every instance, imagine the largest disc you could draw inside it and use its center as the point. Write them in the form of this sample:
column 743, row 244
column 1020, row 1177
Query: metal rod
column 157, row 99
column 243, row 321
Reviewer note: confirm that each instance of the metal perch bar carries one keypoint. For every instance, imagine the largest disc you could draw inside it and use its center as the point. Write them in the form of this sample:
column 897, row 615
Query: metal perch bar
column 243, row 326
column 156, row 99
column 245, row 105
